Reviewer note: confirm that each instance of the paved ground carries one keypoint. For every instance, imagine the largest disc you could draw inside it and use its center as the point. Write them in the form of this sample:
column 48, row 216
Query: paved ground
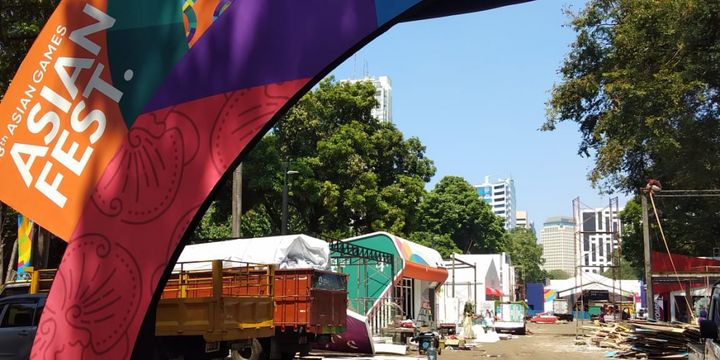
column 543, row 342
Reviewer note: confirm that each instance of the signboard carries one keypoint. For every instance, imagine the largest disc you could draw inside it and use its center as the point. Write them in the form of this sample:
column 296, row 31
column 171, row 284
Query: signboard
column 26, row 231
column 511, row 312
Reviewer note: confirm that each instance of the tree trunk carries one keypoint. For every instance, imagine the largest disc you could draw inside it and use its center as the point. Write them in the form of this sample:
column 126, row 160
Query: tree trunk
column 13, row 259
column 236, row 201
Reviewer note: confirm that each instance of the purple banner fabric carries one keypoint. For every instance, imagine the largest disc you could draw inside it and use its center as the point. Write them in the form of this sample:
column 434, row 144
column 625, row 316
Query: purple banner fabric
column 312, row 35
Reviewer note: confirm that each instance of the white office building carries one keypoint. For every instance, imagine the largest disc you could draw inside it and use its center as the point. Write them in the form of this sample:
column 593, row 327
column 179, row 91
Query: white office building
column 599, row 235
column 383, row 95
column 558, row 242
column 500, row 195
column 522, row 221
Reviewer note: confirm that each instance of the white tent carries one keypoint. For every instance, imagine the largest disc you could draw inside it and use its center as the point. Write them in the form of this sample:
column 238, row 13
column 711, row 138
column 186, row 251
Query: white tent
column 287, row 251
column 592, row 281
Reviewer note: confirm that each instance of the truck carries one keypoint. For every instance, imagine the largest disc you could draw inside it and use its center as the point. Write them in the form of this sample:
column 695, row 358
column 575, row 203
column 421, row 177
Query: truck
column 510, row 318
column 310, row 307
column 709, row 348
column 562, row 309
column 206, row 314
column 200, row 315
column 208, row 309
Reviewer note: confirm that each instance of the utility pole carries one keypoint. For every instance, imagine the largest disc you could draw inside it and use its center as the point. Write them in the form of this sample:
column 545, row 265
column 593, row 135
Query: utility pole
column 649, row 298
column 284, row 219
column 284, row 216
column 41, row 248
column 236, row 201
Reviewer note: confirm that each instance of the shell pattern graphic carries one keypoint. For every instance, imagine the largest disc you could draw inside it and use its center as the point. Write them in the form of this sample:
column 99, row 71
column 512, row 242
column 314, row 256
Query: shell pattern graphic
column 145, row 175
column 99, row 314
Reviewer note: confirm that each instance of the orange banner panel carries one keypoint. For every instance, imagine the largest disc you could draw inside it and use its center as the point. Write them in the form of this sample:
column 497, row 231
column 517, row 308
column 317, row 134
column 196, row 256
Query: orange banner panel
column 60, row 123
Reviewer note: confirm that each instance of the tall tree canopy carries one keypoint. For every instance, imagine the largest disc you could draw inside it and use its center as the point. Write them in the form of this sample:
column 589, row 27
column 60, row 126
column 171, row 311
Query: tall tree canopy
column 642, row 81
column 558, row 274
column 525, row 254
column 355, row 173
column 443, row 243
column 20, row 23
column 626, row 269
column 454, row 208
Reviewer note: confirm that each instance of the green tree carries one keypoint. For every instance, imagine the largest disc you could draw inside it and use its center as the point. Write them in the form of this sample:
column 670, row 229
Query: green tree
column 525, row 253
column 558, row 274
column 626, row 271
column 214, row 225
column 642, row 81
column 632, row 241
column 356, row 174
column 454, row 208
column 444, row 244
column 20, row 23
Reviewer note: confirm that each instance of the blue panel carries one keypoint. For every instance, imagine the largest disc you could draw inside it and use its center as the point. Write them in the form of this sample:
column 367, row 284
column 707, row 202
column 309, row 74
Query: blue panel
column 388, row 9
column 535, row 296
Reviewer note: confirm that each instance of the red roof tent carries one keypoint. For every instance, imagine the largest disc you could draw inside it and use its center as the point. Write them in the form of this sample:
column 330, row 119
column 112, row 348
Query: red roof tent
column 683, row 264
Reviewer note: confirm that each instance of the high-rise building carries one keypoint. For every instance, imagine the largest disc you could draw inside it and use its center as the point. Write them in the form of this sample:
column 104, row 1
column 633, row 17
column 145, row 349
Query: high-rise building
column 600, row 233
column 558, row 242
column 500, row 195
column 383, row 95
column 522, row 220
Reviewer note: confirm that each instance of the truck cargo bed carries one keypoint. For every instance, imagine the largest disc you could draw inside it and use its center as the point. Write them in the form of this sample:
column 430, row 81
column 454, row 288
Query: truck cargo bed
column 310, row 300
column 235, row 303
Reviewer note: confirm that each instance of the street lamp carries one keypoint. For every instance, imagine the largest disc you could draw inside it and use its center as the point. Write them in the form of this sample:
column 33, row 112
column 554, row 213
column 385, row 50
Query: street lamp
column 286, row 172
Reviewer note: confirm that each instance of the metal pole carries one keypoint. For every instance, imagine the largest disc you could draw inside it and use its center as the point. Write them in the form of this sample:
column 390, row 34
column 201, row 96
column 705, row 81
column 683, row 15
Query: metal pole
column 612, row 248
column 283, row 224
column 453, row 274
column 649, row 301
column 576, row 240
column 236, row 201
column 476, row 284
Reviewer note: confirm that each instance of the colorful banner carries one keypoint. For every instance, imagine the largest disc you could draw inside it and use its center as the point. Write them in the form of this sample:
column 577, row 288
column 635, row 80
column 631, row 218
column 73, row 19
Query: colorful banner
column 549, row 294
column 25, row 237
column 124, row 116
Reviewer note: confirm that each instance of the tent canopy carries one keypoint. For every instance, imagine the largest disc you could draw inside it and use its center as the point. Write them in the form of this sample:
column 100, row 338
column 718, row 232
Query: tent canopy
column 287, row 251
column 493, row 292
column 418, row 261
column 592, row 281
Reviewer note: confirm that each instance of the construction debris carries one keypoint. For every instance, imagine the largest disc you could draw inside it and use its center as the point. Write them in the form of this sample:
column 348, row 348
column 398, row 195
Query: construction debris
column 641, row 339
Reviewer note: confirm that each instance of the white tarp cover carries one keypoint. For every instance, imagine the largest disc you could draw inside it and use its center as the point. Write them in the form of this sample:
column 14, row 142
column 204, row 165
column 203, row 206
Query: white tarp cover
column 592, row 281
column 287, row 252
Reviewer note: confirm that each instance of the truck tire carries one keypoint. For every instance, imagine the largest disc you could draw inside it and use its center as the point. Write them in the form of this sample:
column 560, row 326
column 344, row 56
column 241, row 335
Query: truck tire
column 254, row 352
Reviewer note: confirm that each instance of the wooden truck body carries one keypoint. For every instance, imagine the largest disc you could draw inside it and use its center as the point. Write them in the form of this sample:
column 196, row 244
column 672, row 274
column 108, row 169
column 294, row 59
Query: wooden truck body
column 310, row 306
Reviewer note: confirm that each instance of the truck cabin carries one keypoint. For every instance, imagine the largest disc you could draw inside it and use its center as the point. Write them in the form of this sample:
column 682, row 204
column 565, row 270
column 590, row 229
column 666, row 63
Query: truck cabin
column 709, row 327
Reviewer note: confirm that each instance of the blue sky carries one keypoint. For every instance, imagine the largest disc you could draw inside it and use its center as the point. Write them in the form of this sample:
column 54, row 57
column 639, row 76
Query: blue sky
column 473, row 89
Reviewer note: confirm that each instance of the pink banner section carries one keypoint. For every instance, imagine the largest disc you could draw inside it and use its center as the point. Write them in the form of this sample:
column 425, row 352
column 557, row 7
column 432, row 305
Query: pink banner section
column 136, row 219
